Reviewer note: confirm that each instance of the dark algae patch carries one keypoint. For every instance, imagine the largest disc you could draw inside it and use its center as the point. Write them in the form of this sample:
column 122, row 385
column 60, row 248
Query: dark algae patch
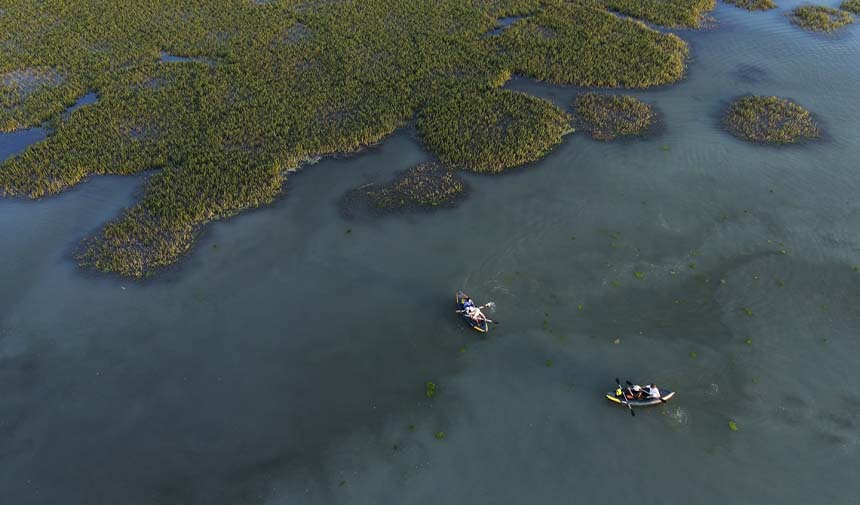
column 770, row 119
column 753, row 5
column 426, row 186
column 253, row 89
column 820, row 18
column 611, row 116
column 491, row 131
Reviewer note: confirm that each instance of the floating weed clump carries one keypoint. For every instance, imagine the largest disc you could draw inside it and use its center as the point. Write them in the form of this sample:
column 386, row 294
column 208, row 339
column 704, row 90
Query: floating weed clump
column 671, row 13
column 639, row 275
column 753, row 5
column 611, row 116
column 733, row 426
column 429, row 389
column 770, row 119
column 491, row 131
column 439, row 435
column 819, row 18
column 426, row 186
column 851, row 6
column 581, row 44
column 747, row 311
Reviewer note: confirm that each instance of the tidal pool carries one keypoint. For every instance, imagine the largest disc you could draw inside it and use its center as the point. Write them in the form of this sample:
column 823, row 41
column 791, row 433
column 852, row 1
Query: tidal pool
column 285, row 360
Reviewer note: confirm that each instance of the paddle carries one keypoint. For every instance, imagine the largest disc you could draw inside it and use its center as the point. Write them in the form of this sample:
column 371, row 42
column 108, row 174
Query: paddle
column 630, row 384
column 624, row 398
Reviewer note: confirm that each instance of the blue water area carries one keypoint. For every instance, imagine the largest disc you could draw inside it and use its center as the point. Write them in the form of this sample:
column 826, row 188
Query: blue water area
column 503, row 24
column 13, row 143
column 88, row 99
column 166, row 57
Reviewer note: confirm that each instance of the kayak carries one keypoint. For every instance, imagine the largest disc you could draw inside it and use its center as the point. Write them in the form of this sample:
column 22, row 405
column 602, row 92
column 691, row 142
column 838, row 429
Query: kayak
column 665, row 394
column 482, row 326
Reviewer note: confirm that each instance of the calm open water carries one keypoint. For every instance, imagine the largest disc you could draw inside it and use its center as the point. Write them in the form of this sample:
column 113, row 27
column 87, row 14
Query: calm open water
column 284, row 361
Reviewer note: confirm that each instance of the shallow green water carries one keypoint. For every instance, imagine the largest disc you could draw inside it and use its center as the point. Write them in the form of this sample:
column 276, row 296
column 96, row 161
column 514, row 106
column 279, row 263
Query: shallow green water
column 285, row 359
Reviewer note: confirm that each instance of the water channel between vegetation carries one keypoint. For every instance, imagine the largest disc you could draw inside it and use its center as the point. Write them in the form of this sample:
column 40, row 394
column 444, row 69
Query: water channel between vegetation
column 284, row 361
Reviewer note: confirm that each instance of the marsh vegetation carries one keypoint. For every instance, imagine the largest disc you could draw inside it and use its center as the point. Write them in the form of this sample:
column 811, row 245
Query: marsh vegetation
column 770, row 119
column 424, row 186
column 491, row 131
column 225, row 99
column 851, row 6
column 673, row 14
column 820, row 18
column 753, row 5
column 611, row 116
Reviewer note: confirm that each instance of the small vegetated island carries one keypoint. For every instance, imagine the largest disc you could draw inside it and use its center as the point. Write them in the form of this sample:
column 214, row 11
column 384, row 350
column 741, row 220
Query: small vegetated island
column 611, row 116
column 425, row 186
column 256, row 88
column 819, row 18
column 770, row 119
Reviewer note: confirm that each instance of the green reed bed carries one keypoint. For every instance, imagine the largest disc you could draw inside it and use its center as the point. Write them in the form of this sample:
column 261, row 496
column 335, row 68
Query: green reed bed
column 586, row 46
column 271, row 84
column 611, row 116
column 770, row 119
column 671, row 13
column 819, row 18
column 490, row 132
column 851, row 6
column 753, row 5
column 425, row 186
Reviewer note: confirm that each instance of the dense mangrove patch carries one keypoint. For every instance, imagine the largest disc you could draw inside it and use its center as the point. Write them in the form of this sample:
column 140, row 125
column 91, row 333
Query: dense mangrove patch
column 820, row 18
column 425, row 186
column 611, row 116
column 770, row 119
column 753, row 5
column 225, row 98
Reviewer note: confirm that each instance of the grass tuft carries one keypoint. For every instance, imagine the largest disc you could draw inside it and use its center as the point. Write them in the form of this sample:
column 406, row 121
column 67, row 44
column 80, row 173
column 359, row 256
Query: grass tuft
column 426, row 186
column 820, row 18
column 611, row 116
column 770, row 119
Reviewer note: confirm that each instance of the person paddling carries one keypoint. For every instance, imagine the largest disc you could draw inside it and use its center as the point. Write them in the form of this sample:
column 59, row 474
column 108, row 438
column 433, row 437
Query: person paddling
column 472, row 311
column 654, row 392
